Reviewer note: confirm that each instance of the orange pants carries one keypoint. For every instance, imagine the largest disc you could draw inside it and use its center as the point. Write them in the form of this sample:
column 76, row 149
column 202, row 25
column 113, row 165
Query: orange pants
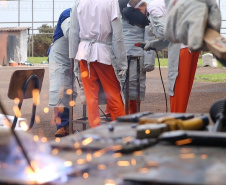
column 106, row 76
column 132, row 107
column 184, row 81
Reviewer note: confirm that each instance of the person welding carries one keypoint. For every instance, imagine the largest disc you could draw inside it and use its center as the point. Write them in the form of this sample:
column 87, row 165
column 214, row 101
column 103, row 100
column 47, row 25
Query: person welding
column 132, row 35
column 182, row 62
column 59, row 74
column 96, row 41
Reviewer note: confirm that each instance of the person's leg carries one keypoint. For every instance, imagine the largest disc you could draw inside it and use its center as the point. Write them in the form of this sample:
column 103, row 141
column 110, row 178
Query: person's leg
column 194, row 62
column 91, row 89
column 61, row 118
column 184, row 82
column 111, row 89
column 133, row 106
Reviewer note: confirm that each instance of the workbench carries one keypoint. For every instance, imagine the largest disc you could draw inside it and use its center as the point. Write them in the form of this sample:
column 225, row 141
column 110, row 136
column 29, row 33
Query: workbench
column 104, row 156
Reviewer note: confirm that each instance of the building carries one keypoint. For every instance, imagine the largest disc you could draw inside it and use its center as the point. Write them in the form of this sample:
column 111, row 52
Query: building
column 13, row 44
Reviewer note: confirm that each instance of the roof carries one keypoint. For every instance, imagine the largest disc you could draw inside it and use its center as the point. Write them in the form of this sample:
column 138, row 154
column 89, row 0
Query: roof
column 13, row 28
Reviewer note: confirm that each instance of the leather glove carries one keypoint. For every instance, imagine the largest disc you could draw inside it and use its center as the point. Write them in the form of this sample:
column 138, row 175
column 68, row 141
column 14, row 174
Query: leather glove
column 148, row 67
column 187, row 21
column 122, row 73
column 156, row 45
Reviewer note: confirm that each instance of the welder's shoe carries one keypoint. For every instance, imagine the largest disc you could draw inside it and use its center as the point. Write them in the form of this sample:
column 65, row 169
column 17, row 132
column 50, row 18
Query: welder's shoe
column 61, row 132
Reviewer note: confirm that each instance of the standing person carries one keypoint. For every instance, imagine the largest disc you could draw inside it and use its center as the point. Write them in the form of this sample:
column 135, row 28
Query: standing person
column 59, row 74
column 132, row 35
column 96, row 41
column 182, row 63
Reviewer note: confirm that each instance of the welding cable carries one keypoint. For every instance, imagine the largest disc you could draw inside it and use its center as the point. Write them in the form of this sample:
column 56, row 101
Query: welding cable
column 160, row 72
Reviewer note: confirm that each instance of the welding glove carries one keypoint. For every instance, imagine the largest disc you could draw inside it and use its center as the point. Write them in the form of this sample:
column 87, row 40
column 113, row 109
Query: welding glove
column 148, row 67
column 187, row 21
column 156, row 45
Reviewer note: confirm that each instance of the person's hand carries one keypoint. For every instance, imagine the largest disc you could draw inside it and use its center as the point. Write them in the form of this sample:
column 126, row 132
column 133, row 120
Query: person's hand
column 148, row 67
column 122, row 73
column 187, row 21
column 156, row 45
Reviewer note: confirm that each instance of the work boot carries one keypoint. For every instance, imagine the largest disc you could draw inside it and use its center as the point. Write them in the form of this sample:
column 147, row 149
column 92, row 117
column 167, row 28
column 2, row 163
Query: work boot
column 61, row 132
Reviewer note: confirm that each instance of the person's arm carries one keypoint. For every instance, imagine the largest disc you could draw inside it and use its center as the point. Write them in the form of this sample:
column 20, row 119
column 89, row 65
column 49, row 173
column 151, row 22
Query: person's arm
column 74, row 38
column 119, row 45
column 149, row 56
column 65, row 26
column 187, row 21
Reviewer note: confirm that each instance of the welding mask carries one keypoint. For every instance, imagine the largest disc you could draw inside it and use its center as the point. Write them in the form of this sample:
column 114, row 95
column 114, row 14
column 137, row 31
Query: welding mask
column 135, row 17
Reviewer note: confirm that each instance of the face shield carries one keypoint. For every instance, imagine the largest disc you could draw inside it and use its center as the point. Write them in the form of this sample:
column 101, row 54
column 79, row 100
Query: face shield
column 135, row 17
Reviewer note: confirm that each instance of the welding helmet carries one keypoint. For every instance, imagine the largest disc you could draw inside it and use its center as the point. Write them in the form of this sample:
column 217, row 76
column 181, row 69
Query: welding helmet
column 135, row 17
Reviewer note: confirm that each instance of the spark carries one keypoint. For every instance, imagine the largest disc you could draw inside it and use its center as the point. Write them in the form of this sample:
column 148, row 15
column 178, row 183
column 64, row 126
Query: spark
column 16, row 100
column 36, row 97
column 37, row 119
column 24, row 125
column 87, row 141
column 36, row 138
column 85, row 175
column 138, row 153
column 68, row 163
column 147, row 131
column 187, row 156
column 101, row 167
column 123, row 163
column 69, row 91
column 184, row 142
column 46, row 110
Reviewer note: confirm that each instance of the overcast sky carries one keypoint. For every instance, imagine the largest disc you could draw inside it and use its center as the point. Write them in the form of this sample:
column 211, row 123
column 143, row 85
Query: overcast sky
column 43, row 12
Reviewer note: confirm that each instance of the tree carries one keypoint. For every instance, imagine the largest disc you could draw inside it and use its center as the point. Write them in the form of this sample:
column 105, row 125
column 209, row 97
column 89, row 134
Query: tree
column 42, row 41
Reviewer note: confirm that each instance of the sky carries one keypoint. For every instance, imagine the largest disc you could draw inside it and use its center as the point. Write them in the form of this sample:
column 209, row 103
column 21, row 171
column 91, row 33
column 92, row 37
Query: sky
column 44, row 14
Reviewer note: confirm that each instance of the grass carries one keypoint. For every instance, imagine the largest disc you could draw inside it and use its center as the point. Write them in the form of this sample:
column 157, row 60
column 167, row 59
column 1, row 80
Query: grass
column 36, row 60
column 211, row 78
column 163, row 63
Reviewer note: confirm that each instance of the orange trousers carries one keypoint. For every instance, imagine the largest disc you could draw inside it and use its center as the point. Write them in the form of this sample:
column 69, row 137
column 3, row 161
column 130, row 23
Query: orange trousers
column 184, row 81
column 106, row 76
column 132, row 107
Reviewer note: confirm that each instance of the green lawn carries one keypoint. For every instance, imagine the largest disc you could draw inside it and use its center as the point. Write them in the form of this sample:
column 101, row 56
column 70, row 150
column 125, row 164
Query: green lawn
column 211, row 78
column 163, row 63
column 36, row 60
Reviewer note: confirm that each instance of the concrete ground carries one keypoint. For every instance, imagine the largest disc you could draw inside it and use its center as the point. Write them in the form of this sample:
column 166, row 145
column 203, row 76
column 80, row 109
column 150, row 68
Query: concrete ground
column 203, row 95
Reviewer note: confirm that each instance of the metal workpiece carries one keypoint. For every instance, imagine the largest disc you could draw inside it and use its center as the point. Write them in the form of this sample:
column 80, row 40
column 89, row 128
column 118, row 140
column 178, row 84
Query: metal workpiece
column 113, row 154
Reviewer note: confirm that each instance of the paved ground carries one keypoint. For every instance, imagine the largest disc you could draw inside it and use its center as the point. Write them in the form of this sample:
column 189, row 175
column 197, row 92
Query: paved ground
column 202, row 97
